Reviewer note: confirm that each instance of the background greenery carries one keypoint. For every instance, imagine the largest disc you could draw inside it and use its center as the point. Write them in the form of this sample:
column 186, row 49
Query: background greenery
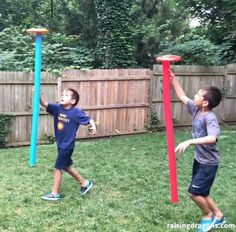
column 116, row 34
column 131, row 187
column 5, row 127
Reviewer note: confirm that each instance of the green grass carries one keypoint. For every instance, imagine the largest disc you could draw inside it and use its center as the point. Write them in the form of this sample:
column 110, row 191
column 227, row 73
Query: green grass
column 131, row 186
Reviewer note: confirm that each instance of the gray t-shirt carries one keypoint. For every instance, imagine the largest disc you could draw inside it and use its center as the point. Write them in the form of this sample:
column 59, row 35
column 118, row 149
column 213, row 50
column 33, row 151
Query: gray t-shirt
column 204, row 125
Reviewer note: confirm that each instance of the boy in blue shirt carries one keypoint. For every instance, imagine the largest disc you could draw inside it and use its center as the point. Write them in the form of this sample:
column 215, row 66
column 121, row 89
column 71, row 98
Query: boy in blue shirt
column 205, row 133
column 67, row 119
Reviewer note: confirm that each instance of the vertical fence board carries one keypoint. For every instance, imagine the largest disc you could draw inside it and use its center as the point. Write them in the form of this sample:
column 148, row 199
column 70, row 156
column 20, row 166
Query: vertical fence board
column 229, row 109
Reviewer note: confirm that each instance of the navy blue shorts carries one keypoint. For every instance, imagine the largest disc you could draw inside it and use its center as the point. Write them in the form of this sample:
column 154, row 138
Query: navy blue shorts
column 64, row 159
column 203, row 177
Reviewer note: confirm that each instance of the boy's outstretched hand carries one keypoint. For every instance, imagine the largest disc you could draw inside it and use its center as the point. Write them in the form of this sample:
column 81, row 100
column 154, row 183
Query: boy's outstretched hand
column 92, row 130
column 182, row 146
column 92, row 127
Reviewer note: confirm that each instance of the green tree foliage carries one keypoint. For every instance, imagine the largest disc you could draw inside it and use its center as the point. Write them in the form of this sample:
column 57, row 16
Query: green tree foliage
column 69, row 17
column 80, row 19
column 217, row 15
column 59, row 51
column 156, row 22
column 109, row 33
column 218, row 20
column 16, row 49
column 195, row 49
column 70, row 42
column 114, row 46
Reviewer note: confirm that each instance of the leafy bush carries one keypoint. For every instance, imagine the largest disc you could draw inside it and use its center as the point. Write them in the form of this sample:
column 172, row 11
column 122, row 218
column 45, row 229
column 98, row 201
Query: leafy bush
column 5, row 125
column 154, row 120
column 56, row 57
column 16, row 50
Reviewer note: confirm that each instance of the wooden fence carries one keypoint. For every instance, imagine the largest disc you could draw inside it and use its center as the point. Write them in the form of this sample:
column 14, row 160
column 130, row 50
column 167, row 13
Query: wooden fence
column 191, row 78
column 229, row 103
column 117, row 100
column 16, row 91
column 120, row 101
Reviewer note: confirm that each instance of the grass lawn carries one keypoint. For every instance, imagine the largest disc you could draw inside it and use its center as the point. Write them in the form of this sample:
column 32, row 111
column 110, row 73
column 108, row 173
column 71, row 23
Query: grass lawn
column 131, row 186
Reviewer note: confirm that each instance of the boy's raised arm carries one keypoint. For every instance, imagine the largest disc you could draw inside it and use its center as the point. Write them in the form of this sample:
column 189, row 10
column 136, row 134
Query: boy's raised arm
column 178, row 89
column 43, row 101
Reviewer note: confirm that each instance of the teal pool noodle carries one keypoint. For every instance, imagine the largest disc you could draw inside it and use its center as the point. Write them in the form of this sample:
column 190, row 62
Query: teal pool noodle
column 37, row 76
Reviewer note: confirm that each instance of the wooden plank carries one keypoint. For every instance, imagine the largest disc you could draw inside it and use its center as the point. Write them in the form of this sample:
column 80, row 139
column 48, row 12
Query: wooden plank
column 160, row 100
column 111, row 106
column 193, row 74
column 88, row 79
column 25, row 83
column 230, row 96
column 26, row 113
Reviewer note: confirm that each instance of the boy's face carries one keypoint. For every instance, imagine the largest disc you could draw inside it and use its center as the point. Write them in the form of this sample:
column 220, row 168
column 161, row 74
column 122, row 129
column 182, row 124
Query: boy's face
column 66, row 98
column 199, row 99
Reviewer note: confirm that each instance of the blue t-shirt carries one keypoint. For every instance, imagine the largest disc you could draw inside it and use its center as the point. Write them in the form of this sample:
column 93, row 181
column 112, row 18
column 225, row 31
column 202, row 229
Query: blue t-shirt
column 66, row 124
column 204, row 125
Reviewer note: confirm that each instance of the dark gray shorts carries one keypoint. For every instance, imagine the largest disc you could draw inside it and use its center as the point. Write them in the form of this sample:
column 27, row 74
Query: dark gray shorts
column 64, row 158
column 203, row 177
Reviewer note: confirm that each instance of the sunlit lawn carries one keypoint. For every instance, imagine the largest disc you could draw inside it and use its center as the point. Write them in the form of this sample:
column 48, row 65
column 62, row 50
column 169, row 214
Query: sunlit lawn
column 131, row 186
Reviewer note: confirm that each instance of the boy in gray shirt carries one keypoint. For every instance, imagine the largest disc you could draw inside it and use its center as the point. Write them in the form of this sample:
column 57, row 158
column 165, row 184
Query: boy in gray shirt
column 205, row 133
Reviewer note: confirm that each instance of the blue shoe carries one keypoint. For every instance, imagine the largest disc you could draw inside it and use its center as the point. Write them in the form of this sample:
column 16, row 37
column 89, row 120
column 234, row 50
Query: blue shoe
column 217, row 222
column 84, row 190
column 205, row 225
column 51, row 197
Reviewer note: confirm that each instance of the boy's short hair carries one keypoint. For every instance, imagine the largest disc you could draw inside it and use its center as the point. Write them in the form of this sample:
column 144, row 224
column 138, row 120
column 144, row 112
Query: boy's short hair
column 213, row 96
column 75, row 96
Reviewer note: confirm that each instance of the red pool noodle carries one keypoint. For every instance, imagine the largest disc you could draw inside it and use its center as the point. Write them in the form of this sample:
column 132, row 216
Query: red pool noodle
column 165, row 60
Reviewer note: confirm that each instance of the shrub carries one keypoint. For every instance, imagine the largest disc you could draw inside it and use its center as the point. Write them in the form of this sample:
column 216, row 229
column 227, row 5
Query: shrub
column 5, row 127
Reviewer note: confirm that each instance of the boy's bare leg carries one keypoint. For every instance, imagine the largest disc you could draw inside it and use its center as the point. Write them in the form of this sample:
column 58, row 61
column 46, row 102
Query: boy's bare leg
column 212, row 206
column 73, row 172
column 202, row 203
column 57, row 180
